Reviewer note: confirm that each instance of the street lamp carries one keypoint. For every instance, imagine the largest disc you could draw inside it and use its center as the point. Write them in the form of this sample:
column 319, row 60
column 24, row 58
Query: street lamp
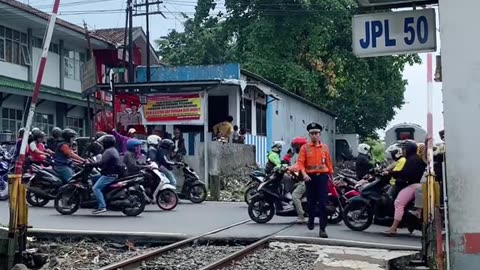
column 394, row 3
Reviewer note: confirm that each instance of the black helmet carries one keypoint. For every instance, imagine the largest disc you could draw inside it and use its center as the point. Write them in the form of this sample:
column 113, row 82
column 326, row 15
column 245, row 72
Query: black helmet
column 99, row 134
column 410, row 148
column 21, row 132
column 56, row 132
column 167, row 144
column 37, row 133
column 68, row 134
column 107, row 141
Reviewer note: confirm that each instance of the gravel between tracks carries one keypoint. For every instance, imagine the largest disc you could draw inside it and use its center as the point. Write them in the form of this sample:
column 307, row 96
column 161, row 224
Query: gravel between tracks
column 278, row 258
column 190, row 258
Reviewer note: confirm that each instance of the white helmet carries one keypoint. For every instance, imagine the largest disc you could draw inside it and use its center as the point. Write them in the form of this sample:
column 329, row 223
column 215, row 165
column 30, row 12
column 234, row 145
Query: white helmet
column 364, row 148
column 394, row 151
column 153, row 139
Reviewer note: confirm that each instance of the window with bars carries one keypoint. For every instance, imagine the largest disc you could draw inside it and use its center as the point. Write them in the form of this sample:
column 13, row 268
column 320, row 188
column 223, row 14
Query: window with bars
column 11, row 120
column 73, row 61
column 13, row 47
column 44, row 122
column 75, row 124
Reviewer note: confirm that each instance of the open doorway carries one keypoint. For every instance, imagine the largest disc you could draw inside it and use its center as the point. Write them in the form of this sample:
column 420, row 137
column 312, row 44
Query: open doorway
column 217, row 110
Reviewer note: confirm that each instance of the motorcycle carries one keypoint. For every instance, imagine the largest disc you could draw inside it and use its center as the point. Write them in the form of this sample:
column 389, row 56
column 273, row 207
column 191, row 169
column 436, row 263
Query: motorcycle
column 158, row 188
column 193, row 188
column 125, row 194
column 42, row 184
column 374, row 205
column 256, row 178
column 269, row 200
column 5, row 168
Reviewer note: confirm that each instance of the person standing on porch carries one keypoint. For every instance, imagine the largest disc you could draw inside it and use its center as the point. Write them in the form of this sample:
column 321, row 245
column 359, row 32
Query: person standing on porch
column 315, row 164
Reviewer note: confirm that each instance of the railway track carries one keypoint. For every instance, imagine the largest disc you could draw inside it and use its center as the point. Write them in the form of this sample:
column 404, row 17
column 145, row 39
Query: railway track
column 139, row 261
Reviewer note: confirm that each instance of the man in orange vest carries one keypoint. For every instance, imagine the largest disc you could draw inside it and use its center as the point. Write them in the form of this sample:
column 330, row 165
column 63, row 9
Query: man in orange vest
column 315, row 164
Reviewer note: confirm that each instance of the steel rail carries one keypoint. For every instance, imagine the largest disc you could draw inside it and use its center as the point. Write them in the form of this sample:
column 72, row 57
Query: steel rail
column 136, row 262
column 238, row 255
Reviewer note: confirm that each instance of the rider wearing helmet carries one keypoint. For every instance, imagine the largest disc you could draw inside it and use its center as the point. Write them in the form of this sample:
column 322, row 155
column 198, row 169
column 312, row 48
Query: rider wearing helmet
column 123, row 139
column 64, row 155
column 407, row 181
column 130, row 159
column 94, row 148
column 300, row 189
column 56, row 138
column 362, row 163
column 152, row 144
column 164, row 151
column 18, row 144
column 37, row 151
column 273, row 158
column 110, row 167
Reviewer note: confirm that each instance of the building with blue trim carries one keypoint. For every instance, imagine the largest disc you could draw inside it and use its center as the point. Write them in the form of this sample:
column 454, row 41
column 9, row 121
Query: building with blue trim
column 265, row 110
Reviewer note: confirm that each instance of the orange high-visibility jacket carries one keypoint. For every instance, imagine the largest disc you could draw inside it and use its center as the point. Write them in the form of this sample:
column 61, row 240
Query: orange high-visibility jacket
column 315, row 159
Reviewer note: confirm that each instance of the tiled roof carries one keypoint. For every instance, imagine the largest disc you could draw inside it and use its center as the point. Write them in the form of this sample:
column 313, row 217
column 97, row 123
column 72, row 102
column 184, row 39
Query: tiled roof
column 113, row 35
column 28, row 86
column 46, row 16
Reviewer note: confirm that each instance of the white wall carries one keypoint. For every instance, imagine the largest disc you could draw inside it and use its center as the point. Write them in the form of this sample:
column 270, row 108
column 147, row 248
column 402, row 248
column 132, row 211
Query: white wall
column 291, row 117
column 72, row 85
column 51, row 76
column 461, row 84
column 13, row 71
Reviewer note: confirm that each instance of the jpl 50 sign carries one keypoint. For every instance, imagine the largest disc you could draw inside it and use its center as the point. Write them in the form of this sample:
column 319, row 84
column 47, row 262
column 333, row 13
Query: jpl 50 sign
column 394, row 33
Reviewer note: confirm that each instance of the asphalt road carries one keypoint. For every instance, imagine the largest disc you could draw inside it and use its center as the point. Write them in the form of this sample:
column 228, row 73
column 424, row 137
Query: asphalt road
column 194, row 219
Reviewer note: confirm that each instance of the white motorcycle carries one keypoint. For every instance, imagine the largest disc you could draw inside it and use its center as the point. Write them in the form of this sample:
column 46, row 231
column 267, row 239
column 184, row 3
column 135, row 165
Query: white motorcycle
column 158, row 188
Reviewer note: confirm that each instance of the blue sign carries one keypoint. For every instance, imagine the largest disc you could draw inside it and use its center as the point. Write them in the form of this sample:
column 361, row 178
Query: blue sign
column 394, row 33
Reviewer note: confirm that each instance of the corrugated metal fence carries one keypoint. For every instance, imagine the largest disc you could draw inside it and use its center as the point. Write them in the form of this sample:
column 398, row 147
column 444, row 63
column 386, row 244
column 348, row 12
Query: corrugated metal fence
column 260, row 143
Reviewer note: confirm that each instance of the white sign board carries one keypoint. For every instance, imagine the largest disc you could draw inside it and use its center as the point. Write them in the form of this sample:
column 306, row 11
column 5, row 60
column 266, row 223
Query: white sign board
column 391, row 33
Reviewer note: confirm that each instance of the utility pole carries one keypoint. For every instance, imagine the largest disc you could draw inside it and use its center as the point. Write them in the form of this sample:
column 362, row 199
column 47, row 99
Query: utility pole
column 131, row 72
column 147, row 14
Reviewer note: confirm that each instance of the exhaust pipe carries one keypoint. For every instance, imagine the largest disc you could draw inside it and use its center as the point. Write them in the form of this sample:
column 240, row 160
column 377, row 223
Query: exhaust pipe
column 40, row 192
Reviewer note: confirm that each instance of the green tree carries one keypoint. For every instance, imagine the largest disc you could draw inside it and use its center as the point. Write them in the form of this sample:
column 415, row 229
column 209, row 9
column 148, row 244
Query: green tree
column 304, row 46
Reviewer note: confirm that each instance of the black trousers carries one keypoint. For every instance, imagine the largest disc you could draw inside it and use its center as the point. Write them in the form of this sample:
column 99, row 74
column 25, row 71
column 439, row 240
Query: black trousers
column 317, row 197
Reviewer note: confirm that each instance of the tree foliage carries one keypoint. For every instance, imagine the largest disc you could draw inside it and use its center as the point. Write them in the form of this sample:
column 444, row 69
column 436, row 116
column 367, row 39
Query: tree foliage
column 302, row 45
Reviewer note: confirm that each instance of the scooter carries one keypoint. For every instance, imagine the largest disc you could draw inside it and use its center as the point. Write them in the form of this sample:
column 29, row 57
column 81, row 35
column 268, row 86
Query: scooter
column 269, row 201
column 125, row 194
column 256, row 178
column 5, row 168
column 374, row 205
column 193, row 188
column 158, row 188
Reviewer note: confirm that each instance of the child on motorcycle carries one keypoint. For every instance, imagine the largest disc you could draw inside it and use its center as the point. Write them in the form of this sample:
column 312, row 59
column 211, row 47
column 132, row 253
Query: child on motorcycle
column 110, row 167
column 37, row 151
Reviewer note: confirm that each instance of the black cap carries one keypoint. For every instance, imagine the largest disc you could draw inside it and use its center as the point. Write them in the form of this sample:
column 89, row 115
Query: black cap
column 312, row 127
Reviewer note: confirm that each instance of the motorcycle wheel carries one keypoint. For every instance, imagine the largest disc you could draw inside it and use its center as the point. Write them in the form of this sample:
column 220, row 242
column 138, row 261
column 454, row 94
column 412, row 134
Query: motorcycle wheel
column 167, row 199
column 73, row 201
column 252, row 190
column 261, row 210
column 139, row 204
column 337, row 216
column 35, row 200
column 197, row 193
column 365, row 211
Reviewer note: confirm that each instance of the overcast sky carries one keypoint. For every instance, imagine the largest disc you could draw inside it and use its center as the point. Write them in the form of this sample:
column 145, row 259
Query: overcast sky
column 110, row 13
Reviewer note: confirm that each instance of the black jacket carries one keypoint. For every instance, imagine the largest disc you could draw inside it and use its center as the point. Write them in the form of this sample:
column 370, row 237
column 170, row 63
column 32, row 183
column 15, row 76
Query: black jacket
column 131, row 162
column 412, row 171
column 110, row 162
column 160, row 156
column 362, row 165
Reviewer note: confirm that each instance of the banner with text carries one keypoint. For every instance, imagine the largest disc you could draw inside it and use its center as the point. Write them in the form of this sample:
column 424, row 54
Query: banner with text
column 164, row 109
